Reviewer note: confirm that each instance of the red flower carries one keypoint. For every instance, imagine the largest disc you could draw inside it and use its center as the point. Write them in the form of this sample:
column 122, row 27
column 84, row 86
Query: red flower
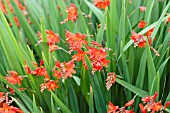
column 130, row 103
column 80, row 56
column 169, row 19
column 150, row 98
column 14, row 78
column 4, row 9
column 102, row 3
column 66, row 69
column 72, row 13
column 98, row 58
column 142, row 108
column 50, row 85
column 9, row 109
column 156, row 106
column 166, row 105
column 149, row 33
column 52, row 39
column 112, row 108
column 140, row 40
column 142, row 8
column 75, row 41
column 41, row 71
column 142, row 24
column 51, row 36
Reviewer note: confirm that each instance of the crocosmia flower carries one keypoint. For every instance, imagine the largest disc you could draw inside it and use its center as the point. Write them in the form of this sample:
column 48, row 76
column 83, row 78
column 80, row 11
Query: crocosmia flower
column 142, row 24
column 14, row 78
column 76, row 41
column 9, row 109
column 150, row 106
column 140, row 40
column 49, row 85
column 52, row 39
column 72, row 13
column 102, row 3
column 65, row 69
column 97, row 56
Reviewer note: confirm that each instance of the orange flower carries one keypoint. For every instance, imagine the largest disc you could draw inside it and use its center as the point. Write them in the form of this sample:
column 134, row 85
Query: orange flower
column 52, row 39
column 98, row 58
column 116, row 109
column 66, row 69
column 72, row 13
column 41, row 71
column 142, row 24
column 169, row 19
column 166, row 105
column 80, row 56
column 149, row 33
column 112, row 108
column 142, row 8
column 14, row 78
column 9, row 109
column 102, row 3
column 130, row 103
column 150, row 98
column 51, row 36
column 50, row 85
column 169, row 29
column 4, row 9
column 140, row 40
column 156, row 106
column 75, row 41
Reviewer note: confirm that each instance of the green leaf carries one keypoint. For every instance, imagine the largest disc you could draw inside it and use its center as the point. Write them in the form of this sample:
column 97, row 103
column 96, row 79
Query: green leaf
column 63, row 108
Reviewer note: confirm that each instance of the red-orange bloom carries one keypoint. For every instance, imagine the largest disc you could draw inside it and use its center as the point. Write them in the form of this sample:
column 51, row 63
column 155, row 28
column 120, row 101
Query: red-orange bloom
column 156, row 106
column 167, row 104
column 14, row 78
column 75, row 41
column 72, row 13
column 51, row 36
column 9, row 109
column 112, row 108
column 169, row 19
column 50, row 85
column 80, row 56
column 102, row 3
column 4, row 9
column 150, row 98
column 66, row 69
column 98, row 58
column 140, row 40
column 149, row 33
column 142, row 24
column 130, row 103
column 41, row 71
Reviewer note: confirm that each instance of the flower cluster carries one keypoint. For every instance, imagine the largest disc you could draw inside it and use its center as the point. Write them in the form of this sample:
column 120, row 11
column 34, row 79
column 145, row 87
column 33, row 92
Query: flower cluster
column 96, row 53
column 151, row 106
column 102, row 4
column 116, row 109
column 5, row 106
column 52, row 39
column 14, row 78
column 72, row 13
column 140, row 40
column 20, row 6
